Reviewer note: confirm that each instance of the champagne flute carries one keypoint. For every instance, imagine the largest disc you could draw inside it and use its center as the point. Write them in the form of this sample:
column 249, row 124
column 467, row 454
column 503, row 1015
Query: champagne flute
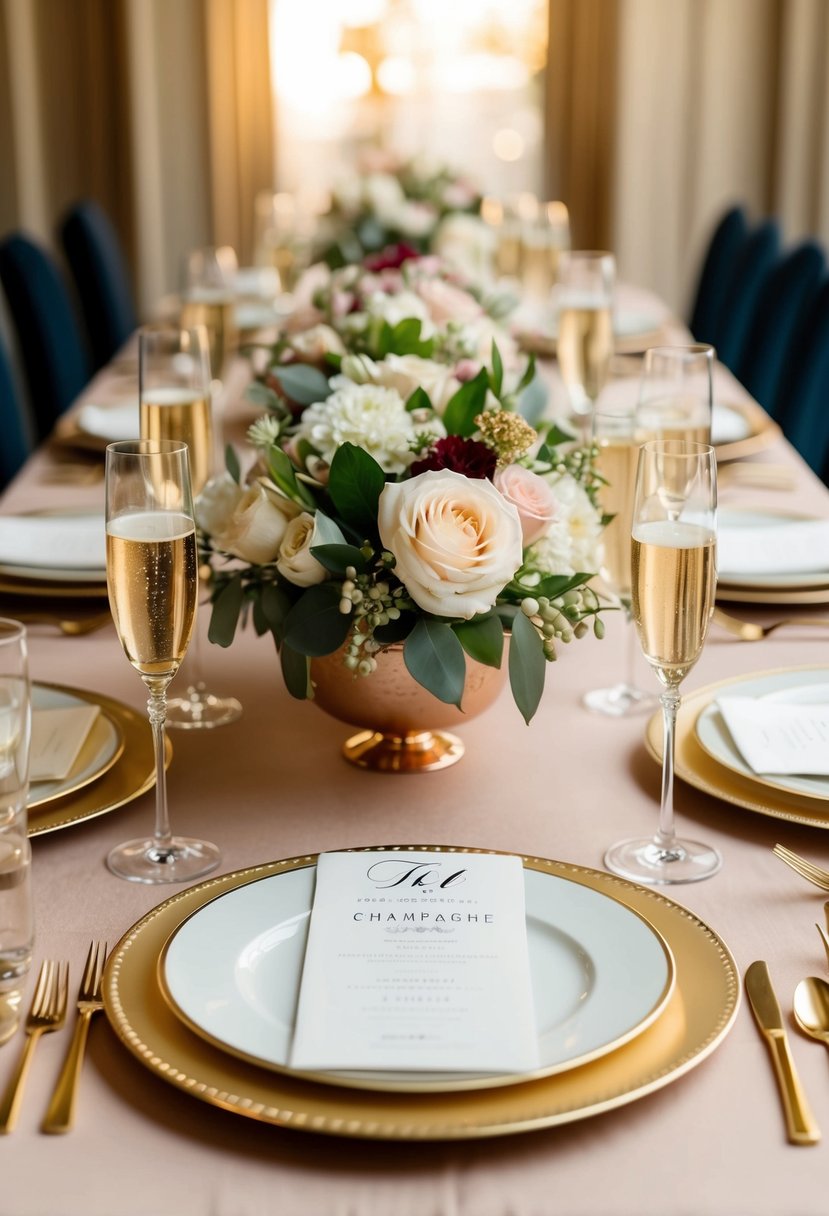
column 544, row 238
column 152, row 580
column 676, row 393
column 175, row 404
column 584, row 298
column 674, row 581
column 207, row 298
column 616, row 456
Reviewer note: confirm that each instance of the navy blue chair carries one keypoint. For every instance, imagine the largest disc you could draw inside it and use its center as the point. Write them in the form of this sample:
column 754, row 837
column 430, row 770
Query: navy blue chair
column 782, row 308
column 727, row 243
column 754, row 264
column 51, row 343
column 15, row 442
column 803, row 412
column 102, row 281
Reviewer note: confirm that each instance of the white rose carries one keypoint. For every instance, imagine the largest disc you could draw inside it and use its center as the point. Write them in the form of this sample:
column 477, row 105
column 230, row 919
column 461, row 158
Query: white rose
column 457, row 541
column 216, row 503
column 413, row 219
column 408, row 372
column 312, row 345
column 295, row 560
column 383, row 193
column 255, row 530
column 466, row 243
column 400, row 307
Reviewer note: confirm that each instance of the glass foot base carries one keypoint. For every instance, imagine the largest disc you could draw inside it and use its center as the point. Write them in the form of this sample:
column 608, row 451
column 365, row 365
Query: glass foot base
column 649, row 862
column 182, row 860
column 620, row 700
column 199, row 710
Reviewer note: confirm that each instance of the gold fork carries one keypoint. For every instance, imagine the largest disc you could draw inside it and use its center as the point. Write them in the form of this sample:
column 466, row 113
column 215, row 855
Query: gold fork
column 806, row 869
column 61, row 1113
column 750, row 631
column 47, row 1012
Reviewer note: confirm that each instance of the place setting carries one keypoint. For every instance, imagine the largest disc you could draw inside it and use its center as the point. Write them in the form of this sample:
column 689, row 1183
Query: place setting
column 772, row 557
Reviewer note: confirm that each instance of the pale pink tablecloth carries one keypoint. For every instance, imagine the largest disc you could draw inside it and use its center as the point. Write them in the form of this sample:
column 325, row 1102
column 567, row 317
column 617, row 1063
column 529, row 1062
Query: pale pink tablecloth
column 273, row 785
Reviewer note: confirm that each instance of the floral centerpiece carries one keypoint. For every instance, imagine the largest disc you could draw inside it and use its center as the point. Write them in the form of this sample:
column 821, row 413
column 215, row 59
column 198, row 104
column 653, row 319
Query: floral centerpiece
column 393, row 503
column 388, row 199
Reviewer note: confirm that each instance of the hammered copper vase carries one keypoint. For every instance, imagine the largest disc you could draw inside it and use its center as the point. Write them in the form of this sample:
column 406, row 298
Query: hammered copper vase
column 398, row 715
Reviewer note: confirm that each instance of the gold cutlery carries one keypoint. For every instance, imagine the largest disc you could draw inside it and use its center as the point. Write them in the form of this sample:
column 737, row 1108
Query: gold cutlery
column 71, row 626
column 47, row 1012
column 824, row 937
column 750, row 631
column 811, row 1008
column 800, row 1124
column 61, row 1113
column 806, row 869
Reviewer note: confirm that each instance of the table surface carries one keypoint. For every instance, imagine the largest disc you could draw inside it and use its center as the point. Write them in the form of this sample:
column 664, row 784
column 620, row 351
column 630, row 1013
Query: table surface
column 274, row 785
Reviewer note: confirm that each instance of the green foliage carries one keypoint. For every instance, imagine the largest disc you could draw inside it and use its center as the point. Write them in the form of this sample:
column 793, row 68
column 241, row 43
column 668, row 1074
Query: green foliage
column 482, row 638
column 315, row 626
column 355, row 483
column 296, row 673
column 300, row 383
column 283, row 475
column 465, row 405
column 225, row 615
column 434, row 657
column 527, row 666
column 232, row 463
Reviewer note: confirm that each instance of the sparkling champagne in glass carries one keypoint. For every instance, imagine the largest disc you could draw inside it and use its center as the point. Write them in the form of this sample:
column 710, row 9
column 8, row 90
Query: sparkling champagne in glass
column 152, row 579
column 175, row 404
column 584, row 304
column 207, row 298
column 674, row 582
column 616, row 457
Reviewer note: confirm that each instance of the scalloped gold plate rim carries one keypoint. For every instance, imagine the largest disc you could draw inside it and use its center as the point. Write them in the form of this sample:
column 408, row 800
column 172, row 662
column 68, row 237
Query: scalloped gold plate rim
column 695, row 1020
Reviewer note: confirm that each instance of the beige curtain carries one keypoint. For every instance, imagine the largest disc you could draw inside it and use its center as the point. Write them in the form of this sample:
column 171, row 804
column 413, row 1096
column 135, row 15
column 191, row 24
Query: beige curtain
column 159, row 109
column 714, row 102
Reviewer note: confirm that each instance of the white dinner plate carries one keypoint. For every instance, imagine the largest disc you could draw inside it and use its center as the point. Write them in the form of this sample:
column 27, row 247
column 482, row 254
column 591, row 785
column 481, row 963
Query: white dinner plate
column 728, row 424
column 100, row 751
column 790, row 687
column 600, row 972
column 68, row 546
column 110, row 422
column 766, row 579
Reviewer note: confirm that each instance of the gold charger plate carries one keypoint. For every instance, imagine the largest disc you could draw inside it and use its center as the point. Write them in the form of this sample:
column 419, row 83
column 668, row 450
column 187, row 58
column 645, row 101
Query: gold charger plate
column 49, row 589
column 696, row 1019
column 132, row 774
column 85, row 770
column 764, row 432
column 772, row 595
column 694, row 765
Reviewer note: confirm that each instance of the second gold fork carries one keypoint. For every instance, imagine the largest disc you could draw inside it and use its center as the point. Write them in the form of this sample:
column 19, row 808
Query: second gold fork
column 61, row 1113
column 47, row 1012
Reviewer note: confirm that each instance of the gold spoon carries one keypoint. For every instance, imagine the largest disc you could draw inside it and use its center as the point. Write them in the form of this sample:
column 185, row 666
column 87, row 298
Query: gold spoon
column 750, row 631
column 811, row 1008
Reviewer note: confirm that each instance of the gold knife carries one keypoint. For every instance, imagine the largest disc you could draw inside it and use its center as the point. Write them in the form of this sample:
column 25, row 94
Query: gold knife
column 800, row 1122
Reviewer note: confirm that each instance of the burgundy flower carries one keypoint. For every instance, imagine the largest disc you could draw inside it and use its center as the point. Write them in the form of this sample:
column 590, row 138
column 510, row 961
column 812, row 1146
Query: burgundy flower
column 467, row 456
column 390, row 258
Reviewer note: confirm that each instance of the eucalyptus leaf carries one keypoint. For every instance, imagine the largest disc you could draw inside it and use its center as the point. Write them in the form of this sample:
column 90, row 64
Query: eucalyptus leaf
column 232, row 463
column 262, row 396
column 315, row 626
column 275, row 604
column 527, row 666
column 355, row 483
column 465, row 405
column 434, row 658
column 284, row 477
column 555, row 585
column 296, row 673
column 532, row 400
column 395, row 631
column 303, row 384
column 328, row 532
column 337, row 558
column 482, row 638
column 497, row 378
column 225, row 615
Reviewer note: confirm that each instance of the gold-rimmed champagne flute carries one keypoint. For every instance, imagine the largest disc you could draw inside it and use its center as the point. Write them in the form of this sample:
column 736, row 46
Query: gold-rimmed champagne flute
column 583, row 298
column 673, row 541
column 616, row 455
column 676, row 393
column 152, row 580
column 175, row 403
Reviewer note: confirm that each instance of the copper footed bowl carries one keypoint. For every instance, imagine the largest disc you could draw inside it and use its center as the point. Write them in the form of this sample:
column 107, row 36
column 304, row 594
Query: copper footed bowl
column 399, row 716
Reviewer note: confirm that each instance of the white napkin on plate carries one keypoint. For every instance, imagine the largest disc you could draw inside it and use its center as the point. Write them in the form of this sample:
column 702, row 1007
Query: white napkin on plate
column 60, row 542
column 779, row 738
column 728, row 425
column 110, row 422
column 790, row 547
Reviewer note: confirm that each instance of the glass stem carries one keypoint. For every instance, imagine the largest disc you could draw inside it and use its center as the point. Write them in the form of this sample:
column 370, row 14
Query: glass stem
column 666, row 836
column 157, row 710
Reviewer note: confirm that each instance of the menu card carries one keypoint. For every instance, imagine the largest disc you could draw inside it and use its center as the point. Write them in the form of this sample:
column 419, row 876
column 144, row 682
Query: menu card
column 417, row 960
column 57, row 738
column 779, row 738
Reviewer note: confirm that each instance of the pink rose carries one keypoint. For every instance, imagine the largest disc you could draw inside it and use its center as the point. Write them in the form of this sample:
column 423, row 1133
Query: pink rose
column 534, row 500
column 447, row 303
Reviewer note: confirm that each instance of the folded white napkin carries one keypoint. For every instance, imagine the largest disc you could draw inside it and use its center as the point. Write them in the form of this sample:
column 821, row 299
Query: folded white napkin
column 728, row 425
column 778, row 738
column 110, row 422
column 790, row 547
column 60, row 542
column 57, row 738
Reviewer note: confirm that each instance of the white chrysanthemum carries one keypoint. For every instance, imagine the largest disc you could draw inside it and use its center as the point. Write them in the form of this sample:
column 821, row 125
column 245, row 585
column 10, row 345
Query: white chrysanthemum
column 368, row 415
column 573, row 543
